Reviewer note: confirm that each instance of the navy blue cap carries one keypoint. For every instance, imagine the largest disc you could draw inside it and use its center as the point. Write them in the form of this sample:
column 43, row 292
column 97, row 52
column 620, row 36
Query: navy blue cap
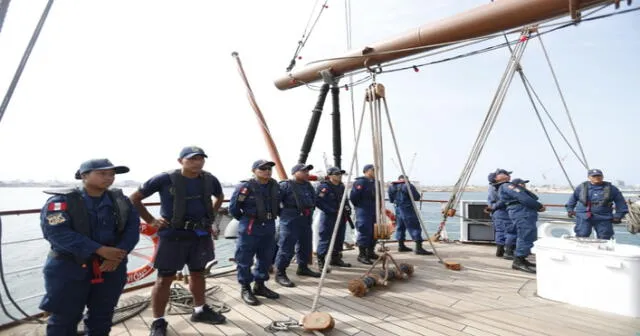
column 191, row 151
column 335, row 171
column 595, row 172
column 502, row 171
column 262, row 163
column 367, row 167
column 519, row 181
column 492, row 177
column 99, row 164
column 301, row 166
column 402, row 177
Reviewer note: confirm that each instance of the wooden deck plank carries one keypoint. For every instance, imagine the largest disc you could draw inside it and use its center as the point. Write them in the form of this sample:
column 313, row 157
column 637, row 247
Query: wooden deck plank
column 119, row 330
column 281, row 306
column 267, row 308
column 435, row 301
column 353, row 317
column 357, row 303
column 244, row 317
column 583, row 322
column 477, row 332
column 136, row 326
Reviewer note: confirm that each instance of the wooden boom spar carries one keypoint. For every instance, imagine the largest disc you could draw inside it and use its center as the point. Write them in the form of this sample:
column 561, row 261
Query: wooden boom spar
column 481, row 21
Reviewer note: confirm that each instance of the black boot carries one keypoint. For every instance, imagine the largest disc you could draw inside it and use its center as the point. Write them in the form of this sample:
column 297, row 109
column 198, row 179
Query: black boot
column 260, row 289
column 321, row 260
column 402, row 247
column 520, row 265
column 363, row 257
column 508, row 252
column 283, row 280
column 500, row 251
column 371, row 252
column 336, row 260
column 528, row 263
column 421, row 251
column 248, row 296
column 304, row 270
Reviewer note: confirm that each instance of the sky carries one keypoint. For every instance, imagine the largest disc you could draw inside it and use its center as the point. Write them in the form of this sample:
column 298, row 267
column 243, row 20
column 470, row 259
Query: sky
column 135, row 81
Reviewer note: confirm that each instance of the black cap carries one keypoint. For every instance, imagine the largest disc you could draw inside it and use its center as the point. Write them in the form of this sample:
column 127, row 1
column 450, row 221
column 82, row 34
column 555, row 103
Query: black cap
column 99, row 164
column 335, row 171
column 191, row 151
column 301, row 166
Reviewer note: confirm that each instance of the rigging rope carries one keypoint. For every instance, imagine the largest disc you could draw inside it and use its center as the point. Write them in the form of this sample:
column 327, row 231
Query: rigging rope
column 4, row 7
column 558, row 26
column 564, row 102
column 306, row 33
column 25, row 58
column 408, row 183
column 527, row 87
column 8, row 293
column 347, row 14
column 334, row 234
column 3, row 108
column 485, row 129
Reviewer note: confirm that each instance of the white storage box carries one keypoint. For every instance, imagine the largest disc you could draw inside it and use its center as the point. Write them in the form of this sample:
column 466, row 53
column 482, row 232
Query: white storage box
column 586, row 274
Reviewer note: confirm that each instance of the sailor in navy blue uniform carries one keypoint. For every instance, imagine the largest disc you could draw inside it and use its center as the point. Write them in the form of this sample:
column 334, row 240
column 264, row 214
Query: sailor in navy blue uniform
column 363, row 198
column 406, row 217
column 255, row 204
column 185, row 232
column 297, row 204
column 505, row 230
column 91, row 230
column 591, row 205
column 523, row 208
column 329, row 196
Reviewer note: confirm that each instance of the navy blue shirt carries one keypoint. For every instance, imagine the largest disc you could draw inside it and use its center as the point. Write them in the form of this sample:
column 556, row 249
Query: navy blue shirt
column 57, row 229
column 195, row 211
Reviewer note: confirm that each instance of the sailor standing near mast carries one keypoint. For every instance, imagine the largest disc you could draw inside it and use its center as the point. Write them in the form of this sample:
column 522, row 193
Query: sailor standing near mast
column 329, row 196
column 523, row 207
column 91, row 230
column 591, row 205
column 297, row 204
column 406, row 216
column 363, row 198
column 255, row 204
column 187, row 213
column 505, row 231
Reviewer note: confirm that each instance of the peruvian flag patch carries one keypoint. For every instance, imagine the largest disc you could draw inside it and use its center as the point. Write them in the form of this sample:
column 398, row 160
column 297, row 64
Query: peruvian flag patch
column 57, row 206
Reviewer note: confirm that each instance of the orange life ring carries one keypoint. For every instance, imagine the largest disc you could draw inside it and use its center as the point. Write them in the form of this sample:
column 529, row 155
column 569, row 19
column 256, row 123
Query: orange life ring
column 144, row 271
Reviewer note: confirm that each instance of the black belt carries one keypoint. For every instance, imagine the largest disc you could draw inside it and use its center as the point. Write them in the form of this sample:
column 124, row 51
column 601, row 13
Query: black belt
column 195, row 225
column 267, row 216
column 69, row 257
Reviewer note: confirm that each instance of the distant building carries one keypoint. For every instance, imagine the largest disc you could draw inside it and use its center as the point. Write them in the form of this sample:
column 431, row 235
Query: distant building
column 619, row 183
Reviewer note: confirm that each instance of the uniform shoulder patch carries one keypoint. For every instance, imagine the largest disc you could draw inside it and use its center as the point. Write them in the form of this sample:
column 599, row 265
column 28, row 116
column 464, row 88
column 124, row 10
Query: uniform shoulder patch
column 323, row 190
column 56, row 218
column 57, row 206
column 511, row 186
column 358, row 186
column 244, row 190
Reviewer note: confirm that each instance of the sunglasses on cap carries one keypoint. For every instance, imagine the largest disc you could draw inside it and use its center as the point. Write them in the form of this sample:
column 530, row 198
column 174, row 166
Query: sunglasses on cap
column 264, row 168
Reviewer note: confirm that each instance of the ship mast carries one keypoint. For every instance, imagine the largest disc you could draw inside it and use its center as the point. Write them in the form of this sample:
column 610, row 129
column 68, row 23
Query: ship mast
column 488, row 19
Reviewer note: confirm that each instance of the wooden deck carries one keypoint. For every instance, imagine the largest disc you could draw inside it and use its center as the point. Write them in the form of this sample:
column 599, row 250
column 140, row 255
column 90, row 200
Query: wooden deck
column 485, row 298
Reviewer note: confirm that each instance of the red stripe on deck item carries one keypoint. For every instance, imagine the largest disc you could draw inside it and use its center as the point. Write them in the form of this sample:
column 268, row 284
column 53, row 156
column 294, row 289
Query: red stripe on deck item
column 57, row 206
